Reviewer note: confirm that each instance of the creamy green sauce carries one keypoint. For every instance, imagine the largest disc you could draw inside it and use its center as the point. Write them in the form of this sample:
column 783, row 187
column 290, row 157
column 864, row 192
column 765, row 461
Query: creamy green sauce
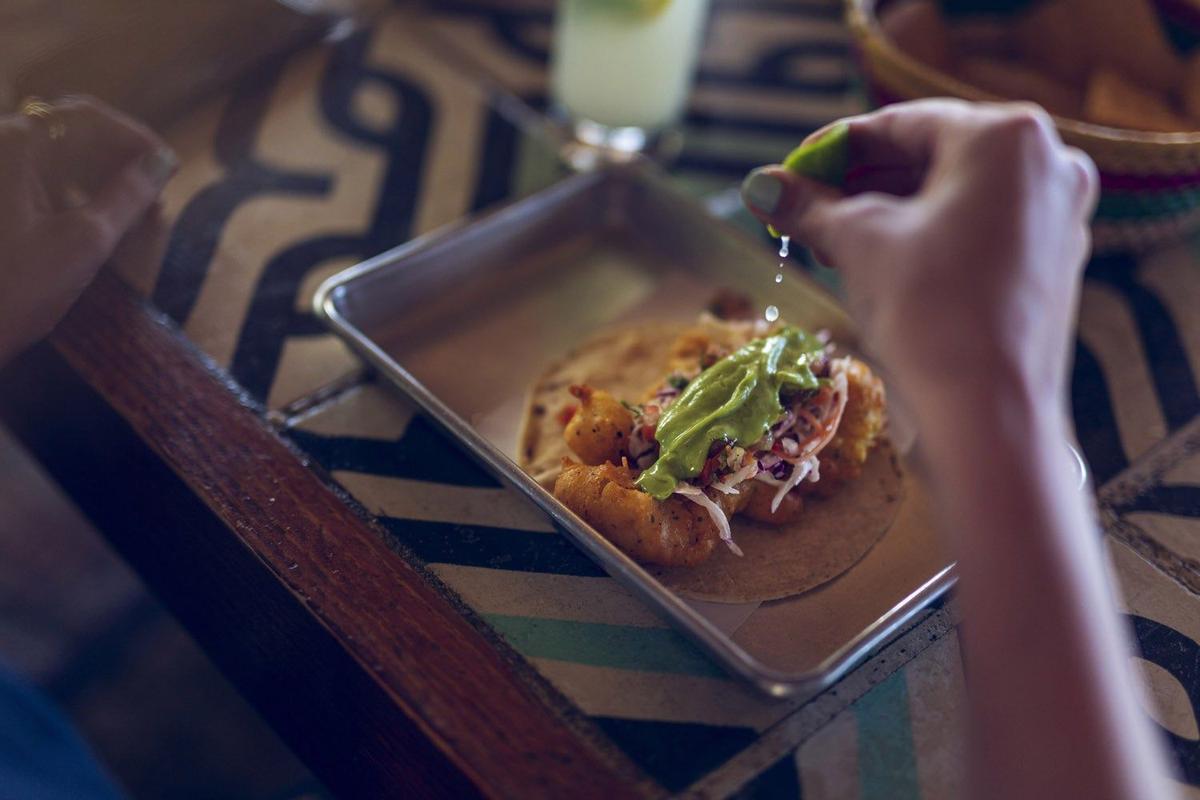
column 735, row 400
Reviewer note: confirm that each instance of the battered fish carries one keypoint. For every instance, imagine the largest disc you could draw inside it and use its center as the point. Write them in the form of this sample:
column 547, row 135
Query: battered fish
column 670, row 532
column 599, row 430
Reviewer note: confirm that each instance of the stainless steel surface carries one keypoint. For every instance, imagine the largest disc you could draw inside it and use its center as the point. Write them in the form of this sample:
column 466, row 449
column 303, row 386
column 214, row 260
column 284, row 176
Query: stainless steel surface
column 464, row 319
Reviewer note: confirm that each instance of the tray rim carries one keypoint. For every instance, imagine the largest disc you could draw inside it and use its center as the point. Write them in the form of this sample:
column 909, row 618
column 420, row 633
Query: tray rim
column 718, row 645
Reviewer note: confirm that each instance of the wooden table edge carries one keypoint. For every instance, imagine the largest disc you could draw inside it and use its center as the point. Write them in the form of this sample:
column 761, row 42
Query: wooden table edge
column 440, row 708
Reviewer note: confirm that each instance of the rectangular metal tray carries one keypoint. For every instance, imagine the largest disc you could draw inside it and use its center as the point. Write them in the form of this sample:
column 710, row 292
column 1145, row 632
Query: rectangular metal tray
column 465, row 319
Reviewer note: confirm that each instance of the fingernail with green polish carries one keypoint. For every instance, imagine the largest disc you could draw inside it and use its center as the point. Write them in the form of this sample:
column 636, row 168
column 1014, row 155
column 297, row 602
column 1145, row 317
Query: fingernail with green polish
column 160, row 165
column 762, row 191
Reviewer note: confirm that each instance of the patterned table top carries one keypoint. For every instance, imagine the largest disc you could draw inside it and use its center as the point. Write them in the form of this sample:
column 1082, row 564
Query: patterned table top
column 341, row 151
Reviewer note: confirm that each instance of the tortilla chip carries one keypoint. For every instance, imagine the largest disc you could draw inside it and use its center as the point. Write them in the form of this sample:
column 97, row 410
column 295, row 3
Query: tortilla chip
column 1127, row 36
column 1016, row 81
column 1053, row 41
column 1114, row 100
column 832, row 534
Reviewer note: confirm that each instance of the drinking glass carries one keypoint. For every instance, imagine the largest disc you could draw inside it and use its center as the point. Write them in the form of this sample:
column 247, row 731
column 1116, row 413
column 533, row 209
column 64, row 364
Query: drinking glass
column 622, row 69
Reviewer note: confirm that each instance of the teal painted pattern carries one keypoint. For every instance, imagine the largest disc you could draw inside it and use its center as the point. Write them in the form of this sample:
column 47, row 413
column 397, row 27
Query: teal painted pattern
column 601, row 645
column 887, row 764
column 1128, row 205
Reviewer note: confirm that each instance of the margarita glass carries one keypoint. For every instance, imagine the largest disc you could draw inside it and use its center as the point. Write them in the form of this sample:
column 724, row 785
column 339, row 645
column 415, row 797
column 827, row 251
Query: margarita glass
column 623, row 68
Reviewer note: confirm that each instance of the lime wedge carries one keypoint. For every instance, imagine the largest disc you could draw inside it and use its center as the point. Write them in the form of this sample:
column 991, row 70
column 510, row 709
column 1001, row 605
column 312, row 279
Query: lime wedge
column 641, row 10
column 825, row 159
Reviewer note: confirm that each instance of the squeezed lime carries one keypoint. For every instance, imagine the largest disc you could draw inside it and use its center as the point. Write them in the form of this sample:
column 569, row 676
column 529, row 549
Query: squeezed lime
column 824, row 160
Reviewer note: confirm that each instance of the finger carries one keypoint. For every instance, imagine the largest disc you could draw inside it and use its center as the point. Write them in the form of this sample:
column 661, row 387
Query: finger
column 90, row 233
column 96, row 140
column 847, row 231
column 85, row 118
column 903, row 181
column 890, row 150
column 905, row 134
column 1087, row 179
column 24, row 198
column 139, row 254
column 775, row 194
column 816, row 215
column 913, row 133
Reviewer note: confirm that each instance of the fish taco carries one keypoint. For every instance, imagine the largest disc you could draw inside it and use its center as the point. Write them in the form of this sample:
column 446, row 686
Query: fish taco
column 739, row 461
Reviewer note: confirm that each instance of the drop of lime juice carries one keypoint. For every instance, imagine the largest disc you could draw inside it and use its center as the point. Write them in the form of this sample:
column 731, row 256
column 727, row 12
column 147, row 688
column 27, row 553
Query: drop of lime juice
column 772, row 312
column 784, row 243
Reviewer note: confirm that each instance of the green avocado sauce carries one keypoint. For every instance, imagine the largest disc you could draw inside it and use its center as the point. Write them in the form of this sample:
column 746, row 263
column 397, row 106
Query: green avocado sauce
column 735, row 400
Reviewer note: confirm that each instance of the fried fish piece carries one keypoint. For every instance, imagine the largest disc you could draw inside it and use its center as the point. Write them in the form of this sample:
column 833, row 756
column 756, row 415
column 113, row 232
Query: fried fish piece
column 599, row 430
column 671, row 532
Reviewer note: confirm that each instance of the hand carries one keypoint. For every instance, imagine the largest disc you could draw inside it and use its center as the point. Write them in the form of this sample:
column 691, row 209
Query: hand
column 961, row 237
column 961, row 234
column 71, row 184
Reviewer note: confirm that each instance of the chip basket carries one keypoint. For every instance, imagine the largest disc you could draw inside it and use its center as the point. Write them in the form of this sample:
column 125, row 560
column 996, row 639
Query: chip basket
column 1150, row 182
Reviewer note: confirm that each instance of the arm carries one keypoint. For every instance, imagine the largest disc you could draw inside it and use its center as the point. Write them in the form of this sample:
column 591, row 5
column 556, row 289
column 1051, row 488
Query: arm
column 961, row 234
column 1053, row 709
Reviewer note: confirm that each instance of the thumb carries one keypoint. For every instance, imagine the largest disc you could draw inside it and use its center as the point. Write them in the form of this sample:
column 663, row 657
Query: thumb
column 778, row 196
column 813, row 213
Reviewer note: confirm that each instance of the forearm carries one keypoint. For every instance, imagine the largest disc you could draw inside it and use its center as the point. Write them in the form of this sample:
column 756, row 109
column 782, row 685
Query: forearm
column 1046, row 657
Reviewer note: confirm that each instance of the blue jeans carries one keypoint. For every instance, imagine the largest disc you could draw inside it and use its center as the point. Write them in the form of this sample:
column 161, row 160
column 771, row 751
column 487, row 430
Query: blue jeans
column 41, row 755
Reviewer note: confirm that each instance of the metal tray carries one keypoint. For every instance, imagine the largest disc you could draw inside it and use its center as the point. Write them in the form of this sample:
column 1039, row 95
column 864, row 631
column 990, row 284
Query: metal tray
column 463, row 320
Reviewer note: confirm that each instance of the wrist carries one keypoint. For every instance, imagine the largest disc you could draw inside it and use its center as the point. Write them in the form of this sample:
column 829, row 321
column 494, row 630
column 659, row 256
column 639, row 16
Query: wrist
column 968, row 418
column 999, row 465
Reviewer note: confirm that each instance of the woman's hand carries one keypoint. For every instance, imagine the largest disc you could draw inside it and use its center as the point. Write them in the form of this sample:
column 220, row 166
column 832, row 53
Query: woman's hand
column 961, row 237
column 74, row 177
